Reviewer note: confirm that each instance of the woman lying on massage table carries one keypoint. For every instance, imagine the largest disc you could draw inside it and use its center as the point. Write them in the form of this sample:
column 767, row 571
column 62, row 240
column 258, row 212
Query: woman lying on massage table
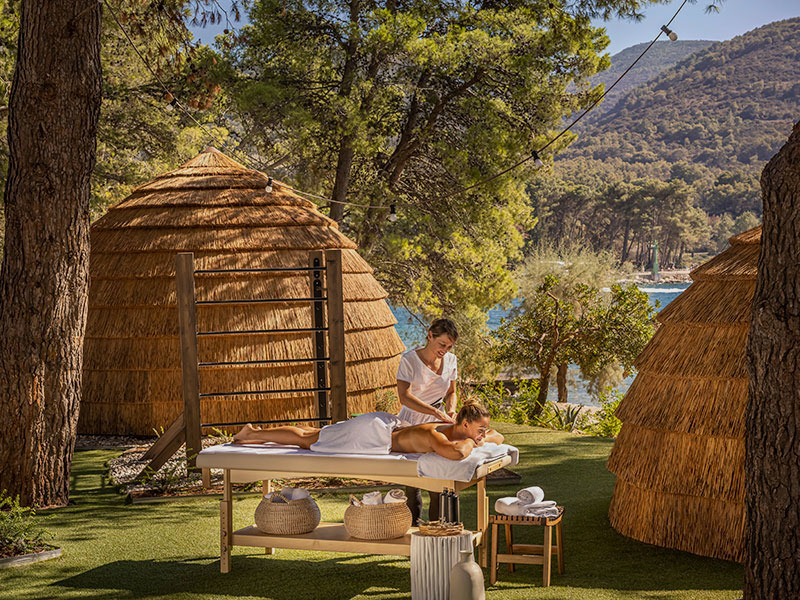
column 381, row 433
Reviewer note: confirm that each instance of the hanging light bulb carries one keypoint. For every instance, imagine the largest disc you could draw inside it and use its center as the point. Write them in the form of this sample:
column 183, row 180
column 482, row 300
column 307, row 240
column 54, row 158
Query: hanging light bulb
column 170, row 100
column 268, row 187
column 392, row 213
column 669, row 33
column 537, row 161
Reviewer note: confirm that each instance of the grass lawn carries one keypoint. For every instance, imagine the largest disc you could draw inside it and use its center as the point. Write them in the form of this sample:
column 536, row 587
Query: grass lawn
column 170, row 550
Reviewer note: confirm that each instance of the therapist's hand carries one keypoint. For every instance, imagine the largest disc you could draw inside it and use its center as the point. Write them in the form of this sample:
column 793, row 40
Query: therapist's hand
column 443, row 416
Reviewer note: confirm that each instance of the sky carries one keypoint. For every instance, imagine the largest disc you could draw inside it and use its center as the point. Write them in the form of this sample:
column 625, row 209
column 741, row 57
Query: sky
column 735, row 17
column 692, row 23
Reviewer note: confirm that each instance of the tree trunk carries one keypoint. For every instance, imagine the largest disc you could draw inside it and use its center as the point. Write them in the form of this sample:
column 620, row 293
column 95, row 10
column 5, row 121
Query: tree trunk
column 344, row 161
column 772, row 462
column 561, row 382
column 342, row 182
column 541, row 399
column 55, row 104
column 625, row 241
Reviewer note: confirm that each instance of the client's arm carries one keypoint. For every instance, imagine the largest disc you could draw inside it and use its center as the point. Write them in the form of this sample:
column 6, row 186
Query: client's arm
column 452, row 450
column 495, row 437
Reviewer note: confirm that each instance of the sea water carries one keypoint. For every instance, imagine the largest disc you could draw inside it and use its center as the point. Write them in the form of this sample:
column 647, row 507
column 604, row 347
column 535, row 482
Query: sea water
column 412, row 331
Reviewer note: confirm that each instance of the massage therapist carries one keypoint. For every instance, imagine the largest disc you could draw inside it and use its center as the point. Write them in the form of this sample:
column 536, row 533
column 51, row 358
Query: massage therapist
column 426, row 377
column 426, row 387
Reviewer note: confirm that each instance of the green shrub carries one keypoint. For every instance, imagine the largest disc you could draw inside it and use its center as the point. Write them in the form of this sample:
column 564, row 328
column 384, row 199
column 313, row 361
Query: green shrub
column 387, row 401
column 505, row 406
column 19, row 533
column 568, row 418
column 526, row 397
column 495, row 398
column 220, row 436
column 605, row 423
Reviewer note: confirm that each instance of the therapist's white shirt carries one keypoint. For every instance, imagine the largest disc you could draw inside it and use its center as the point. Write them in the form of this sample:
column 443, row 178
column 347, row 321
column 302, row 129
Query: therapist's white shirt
column 426, row 385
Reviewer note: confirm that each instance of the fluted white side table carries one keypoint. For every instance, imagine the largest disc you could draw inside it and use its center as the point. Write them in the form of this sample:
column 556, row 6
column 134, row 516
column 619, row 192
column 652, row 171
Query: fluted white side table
column 432, row 557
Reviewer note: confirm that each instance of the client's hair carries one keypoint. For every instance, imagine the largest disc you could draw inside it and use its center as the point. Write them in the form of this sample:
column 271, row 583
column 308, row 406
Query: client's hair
column 444, row 326
column 471, row 410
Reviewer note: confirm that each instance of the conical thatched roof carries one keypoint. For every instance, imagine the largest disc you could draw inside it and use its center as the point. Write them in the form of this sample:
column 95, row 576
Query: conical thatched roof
column 218, row 209
column 679, row 459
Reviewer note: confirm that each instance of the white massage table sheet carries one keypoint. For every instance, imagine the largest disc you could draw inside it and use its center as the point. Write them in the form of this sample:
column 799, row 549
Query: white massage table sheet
column 246, row 461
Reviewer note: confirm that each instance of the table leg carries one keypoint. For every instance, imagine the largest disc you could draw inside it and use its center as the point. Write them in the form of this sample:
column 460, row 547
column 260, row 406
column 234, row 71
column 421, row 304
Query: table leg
column 510, row 545
column 266, row 488
column 483, row 522
column 548, row 554
column 225, row 524
column 493, row 557
column 560, row 537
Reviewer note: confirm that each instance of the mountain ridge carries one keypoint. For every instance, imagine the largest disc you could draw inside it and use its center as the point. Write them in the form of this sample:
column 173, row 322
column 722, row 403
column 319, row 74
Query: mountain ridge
column 660, row 57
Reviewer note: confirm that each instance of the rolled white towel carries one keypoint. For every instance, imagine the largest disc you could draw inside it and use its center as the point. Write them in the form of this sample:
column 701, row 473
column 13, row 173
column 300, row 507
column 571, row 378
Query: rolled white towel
column 510, row 505
column 531, row 494
column 395, row 495
column 372, row 498
column 541, row 505
column 542, row 512
column 291, row 493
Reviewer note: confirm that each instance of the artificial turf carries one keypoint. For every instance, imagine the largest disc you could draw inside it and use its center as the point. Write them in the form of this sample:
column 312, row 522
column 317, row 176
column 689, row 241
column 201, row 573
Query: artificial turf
column 170, row 550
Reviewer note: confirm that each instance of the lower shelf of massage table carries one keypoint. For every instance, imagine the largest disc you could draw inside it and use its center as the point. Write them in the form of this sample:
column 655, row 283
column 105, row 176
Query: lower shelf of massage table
column 330, row 537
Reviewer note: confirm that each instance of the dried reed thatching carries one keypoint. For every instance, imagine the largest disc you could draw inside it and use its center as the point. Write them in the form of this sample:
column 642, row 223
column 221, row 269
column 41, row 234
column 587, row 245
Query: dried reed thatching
column 218, row 209
column 679, row 459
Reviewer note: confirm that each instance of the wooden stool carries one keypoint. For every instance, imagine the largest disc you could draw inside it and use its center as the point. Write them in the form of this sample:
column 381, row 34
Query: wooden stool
column 531, row 554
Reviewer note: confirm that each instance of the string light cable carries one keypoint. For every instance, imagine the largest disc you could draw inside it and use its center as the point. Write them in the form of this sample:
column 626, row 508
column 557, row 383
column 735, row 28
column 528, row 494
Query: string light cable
column 172, row 102
column 535, row 154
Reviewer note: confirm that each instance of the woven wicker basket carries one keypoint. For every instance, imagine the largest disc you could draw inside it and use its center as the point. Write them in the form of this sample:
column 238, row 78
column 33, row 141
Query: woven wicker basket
column 377, row 521
column 439, row 529
column 287, row 518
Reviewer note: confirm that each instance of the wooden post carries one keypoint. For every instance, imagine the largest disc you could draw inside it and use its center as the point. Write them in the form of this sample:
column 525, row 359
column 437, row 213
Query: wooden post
column 493, row 557
column 187, row 320
column 548, row 554
column 560, row 550
column 336, row 347
column 483, row 522
column 510, row 545
column 266, row 488
column 316, row 259
column 226, row 523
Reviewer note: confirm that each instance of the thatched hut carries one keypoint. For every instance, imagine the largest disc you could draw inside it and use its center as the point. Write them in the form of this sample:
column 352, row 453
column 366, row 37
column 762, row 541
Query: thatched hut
column 679, row 459
column 219, row 210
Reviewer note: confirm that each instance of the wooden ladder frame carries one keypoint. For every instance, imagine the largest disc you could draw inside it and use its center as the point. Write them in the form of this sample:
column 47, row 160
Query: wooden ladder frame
column 187, row 428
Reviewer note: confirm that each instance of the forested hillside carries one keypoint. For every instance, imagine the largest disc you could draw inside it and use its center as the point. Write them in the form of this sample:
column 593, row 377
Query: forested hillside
column 660, row 57
column 677, row 159
column 729, row 106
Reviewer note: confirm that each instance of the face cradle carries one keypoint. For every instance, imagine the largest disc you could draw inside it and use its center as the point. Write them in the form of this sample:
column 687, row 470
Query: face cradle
column 441, row 344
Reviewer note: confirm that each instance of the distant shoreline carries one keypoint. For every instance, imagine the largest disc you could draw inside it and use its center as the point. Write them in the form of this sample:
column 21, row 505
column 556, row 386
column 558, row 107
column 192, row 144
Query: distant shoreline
column 667, row 276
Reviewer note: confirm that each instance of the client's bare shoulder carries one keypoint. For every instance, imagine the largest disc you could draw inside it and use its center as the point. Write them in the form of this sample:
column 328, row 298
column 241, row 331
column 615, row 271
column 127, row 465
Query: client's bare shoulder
column 417, row 438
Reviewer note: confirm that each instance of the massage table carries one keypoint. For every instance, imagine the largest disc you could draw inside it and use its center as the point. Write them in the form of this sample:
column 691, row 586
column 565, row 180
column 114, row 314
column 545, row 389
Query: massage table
column 264, row 462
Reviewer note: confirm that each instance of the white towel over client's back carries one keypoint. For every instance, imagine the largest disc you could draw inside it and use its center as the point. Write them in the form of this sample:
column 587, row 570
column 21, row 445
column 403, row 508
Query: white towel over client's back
column 370, row 433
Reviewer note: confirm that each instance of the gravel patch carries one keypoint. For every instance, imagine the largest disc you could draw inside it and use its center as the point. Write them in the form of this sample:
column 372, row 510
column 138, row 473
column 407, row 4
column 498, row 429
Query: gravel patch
column 128, row 471
column 110, row 442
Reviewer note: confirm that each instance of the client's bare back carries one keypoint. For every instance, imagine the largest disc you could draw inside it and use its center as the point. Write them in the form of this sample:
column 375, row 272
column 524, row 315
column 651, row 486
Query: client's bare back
column 417, row 438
